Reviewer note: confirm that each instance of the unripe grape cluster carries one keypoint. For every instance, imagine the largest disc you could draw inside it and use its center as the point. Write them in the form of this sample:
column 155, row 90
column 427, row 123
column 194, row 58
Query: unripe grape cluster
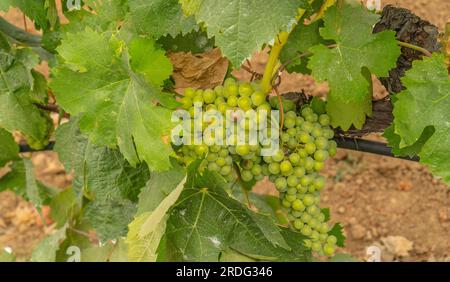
column 305, row 145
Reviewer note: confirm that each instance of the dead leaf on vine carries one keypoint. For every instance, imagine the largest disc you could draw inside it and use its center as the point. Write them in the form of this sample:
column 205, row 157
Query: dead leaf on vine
column 205, row 70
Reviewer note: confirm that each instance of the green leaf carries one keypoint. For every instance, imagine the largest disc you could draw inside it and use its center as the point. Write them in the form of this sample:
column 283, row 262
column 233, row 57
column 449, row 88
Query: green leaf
column 206, row 221
column 233, row 256
column 410, row 151
column 241, row 27
column 120, row 252
column 347, row 67
column 64, row 207
column 326, row 213
column 117, row 104
column 9, row 150
column 35, row 10
column 21, row 180
column 150, row 61
column 421, row 115
column 144, row 248
column 105, row 177
column 194, row 42
column 300, row 40
column 48, row 247
column 17, row 97
column 146, row 231
column 160, row 185
column 158, row 18
column 337, row 231
column 102, row 16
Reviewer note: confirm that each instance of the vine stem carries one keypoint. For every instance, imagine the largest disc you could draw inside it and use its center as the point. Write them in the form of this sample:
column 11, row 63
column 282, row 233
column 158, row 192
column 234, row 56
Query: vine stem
column 244, row 191
column 415, row 47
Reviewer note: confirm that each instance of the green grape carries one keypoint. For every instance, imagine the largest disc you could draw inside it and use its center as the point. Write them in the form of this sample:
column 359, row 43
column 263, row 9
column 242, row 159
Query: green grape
column 189, row 92
column 256, row 169
column 258, row 98
column 291, row 191
column 245, row 103
column 259, row 177
column 309, row 164
column 321, row 143
column 307, row 127
column 323, row 228
column 316, row 246
column 290, row 198
column 209, row 96
column 285, row 167
column 285, row 137
column 306, row 111
column 274, row 168
column 292, row 143
column 306, row 230
column 211, row 156
column 281, row 183
column 292, row 181
column 229, row 160
column 298, row 224
column 320, row 155
column 289, row 122
column 304, row 137
column 299, row 171
column 231, row 90
column 186, row 102
column 201, row 150
column 225, row 170
column 328, row 133
column 213, row 167
column 246, row 175
column 264, row 108
column 317, row 132
column 312, row 118
column 306, row 180
column 310, row 148
column 267, row 159
column 279, row 156
column 332, row 240
column 313, row 210
column 291, row 132
column 298, row 205
column 223, row 153
column 197, row 99
column 232, row 101
column 294, row 158
column 318, row 166
column 219, row 91
column 245, row 89
column 219, row 100
column 328, row 250
column 324, row 120
column 308, row 200
column 221, row 162
column 243, row 150
column 306, row 217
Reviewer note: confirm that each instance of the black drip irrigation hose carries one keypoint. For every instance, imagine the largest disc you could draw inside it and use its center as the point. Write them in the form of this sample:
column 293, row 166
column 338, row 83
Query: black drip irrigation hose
column 354, row 144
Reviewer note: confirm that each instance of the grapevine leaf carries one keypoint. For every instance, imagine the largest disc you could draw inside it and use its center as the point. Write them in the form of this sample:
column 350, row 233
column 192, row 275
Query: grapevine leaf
column 337, row 231
column 158, row 18
column 206, row 221
column 144, row 248
column 35, row 10
column 102, row 15
column 64, row 207
column 21, row 180
column 96, row 253
column 48, row 247
column 4, row 6
column 326, row 213
column 160, row 185
column 241, row 27
column 117, row 104
column 9, row 150
column 421, row 114
column 103, row 175
column 233, row 256
column 300, row 40
column 110, row 217
column 150, row 61
column 410, row 151
column 120, row 252
column 17, row 98
column 348, row 66
column 194, row 42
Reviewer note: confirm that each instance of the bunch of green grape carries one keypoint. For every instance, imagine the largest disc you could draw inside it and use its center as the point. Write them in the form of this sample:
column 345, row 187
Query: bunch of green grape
column 305, row 145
